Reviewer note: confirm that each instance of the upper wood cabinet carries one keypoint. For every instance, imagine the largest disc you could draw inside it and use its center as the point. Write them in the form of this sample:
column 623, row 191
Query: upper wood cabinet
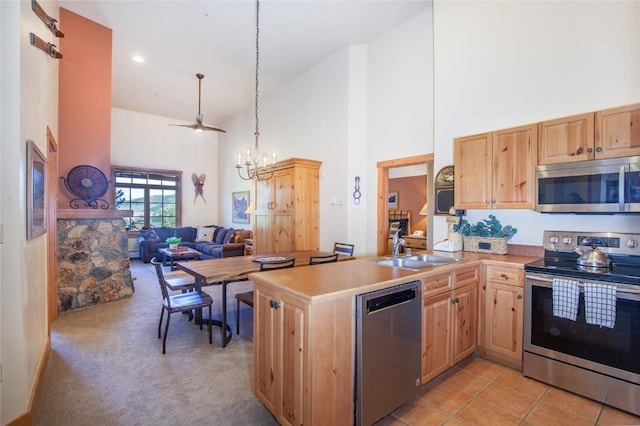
column 566, row 139
column 287, row 215
column 609, row 133
column 618, row 132
column 496, row 170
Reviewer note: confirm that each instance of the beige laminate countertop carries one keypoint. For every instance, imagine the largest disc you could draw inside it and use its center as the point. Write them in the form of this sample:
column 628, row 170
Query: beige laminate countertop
column 319, row 283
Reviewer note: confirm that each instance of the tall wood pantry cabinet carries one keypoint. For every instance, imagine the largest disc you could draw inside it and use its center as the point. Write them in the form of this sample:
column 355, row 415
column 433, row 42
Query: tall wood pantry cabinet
column 287, row 214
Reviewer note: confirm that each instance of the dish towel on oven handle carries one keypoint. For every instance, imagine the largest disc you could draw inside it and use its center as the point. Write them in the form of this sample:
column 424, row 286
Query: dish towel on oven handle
column 600, row 304
column 566, row 296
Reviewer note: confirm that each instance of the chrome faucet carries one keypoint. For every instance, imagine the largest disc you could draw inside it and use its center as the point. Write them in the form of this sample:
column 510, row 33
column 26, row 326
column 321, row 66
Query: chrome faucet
column 397, row 242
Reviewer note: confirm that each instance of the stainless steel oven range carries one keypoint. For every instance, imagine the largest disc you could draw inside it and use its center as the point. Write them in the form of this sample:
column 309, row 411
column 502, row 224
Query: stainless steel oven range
column 565, row 348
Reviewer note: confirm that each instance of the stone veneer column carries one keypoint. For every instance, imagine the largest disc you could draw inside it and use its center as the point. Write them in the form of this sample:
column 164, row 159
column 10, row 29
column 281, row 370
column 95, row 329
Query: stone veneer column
column 93, row 262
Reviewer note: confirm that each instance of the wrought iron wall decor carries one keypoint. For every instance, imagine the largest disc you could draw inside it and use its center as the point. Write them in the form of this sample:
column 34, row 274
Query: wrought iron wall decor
column 88, row 184
column 356, row 191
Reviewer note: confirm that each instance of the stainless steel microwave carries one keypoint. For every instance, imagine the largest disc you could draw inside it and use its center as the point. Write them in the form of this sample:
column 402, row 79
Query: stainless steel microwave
column 595, row 186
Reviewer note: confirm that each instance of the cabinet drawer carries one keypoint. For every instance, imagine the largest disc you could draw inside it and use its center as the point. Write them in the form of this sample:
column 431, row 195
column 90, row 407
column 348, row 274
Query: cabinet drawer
column 436, row 284
column 416, row 243
column 505, row 275
column 466, row 276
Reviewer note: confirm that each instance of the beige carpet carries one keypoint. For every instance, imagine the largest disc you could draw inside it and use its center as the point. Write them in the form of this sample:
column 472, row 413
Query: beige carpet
column 106, row 366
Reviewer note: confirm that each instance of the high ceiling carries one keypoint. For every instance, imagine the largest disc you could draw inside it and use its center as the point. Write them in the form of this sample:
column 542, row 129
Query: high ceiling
column 179, row 39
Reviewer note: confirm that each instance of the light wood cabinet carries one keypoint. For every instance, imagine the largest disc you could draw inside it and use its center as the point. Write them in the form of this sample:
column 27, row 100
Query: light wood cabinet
column 303, row 357
column 418, row 243
column 287, row 211
column 566, row 139
column 496, row 170
column 617, row 132
column 504, row 313
column 449, row 310
column 610, row 133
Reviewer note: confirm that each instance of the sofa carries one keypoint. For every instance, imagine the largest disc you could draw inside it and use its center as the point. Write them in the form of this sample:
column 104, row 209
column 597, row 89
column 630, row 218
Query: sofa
column 212, row 241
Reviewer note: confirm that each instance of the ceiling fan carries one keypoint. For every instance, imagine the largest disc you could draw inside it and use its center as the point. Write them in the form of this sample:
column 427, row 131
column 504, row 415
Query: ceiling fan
column 198, row 126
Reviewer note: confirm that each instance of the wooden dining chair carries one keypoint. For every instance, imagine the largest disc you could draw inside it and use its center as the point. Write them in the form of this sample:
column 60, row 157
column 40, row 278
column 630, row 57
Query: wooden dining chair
column 317, row 260
column 184, row 302
column 343, row 248
column 247, row 296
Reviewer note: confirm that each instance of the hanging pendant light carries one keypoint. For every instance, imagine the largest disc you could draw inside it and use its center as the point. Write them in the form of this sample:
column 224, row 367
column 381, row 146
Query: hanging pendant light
column 255, row 163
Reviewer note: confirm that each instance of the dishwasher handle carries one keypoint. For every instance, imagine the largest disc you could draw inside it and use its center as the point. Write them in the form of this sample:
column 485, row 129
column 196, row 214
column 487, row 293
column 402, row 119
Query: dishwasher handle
column 388, row 300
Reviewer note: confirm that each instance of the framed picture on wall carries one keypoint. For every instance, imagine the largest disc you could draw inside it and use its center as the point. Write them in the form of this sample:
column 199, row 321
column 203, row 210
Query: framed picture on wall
column 240, row 203
column 393, row 199
column 36, row 184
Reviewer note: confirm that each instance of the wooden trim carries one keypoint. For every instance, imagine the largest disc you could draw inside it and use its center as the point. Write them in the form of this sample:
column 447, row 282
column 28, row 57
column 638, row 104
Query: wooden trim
column 26, row 419
column 93, row 213
column 383, row 193
column 52, row 238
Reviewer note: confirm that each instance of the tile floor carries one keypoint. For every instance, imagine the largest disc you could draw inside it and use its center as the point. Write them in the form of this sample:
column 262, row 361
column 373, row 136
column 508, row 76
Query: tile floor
column 480, row 392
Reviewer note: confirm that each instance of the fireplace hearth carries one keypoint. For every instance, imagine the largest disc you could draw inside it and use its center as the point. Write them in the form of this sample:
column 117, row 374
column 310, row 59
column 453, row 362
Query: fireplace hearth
column 93, row 262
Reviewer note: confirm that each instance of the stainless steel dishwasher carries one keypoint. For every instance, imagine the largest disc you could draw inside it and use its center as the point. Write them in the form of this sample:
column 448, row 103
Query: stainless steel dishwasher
column 388, row 350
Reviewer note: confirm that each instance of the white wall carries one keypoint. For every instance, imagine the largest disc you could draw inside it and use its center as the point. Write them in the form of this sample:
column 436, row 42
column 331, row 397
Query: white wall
column 361, row 105
column 400, row 107
column 29, row 103
column 147, row 141
column 307, row 118
column 501, row 64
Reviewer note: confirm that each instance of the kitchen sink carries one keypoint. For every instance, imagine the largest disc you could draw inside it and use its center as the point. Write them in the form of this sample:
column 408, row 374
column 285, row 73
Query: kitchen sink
column 431, row 258
column 418, row 261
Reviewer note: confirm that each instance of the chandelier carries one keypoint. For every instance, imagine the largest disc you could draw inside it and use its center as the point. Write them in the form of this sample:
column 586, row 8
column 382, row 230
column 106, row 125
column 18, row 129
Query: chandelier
column 255, row 163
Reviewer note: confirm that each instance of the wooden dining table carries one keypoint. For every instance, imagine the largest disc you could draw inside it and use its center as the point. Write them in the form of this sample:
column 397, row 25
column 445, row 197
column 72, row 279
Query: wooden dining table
column 233, row 269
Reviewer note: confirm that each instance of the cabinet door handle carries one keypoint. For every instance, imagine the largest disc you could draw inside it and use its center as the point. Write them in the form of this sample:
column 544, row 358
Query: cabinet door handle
column 274, row 304
column 454, row 300
column 519, row 296
column 599, row 149
column 589, row 150
column 505, row 276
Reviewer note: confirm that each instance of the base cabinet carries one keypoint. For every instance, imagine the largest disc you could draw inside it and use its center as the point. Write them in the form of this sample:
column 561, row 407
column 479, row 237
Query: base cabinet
column 303, row 364
column 504, row 313
column 449, row 310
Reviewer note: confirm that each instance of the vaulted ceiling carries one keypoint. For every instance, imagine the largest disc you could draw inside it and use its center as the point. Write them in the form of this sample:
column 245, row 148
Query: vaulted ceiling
column 217, row 38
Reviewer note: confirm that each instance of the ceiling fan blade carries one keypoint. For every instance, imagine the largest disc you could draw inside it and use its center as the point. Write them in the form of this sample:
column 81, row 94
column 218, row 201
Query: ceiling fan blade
column 191, row 126
column 215, row 129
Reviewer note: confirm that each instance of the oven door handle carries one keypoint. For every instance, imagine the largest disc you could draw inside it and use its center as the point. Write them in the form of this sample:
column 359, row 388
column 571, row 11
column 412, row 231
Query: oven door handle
column 581, row 284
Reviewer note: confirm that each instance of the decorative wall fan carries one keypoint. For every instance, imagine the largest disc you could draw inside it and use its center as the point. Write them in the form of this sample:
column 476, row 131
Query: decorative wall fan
column 198, row 126
column 89, row 184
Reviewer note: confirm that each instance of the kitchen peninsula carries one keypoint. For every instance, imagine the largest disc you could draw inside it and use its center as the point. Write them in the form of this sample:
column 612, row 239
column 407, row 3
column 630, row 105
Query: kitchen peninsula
column 305, row 328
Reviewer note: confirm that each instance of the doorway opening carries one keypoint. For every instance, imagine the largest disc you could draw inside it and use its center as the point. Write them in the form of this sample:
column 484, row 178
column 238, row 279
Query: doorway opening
column 383, row 196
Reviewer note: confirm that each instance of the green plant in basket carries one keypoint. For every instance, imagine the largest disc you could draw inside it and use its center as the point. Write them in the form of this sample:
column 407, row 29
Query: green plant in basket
column 173, row 240
column 487, row 228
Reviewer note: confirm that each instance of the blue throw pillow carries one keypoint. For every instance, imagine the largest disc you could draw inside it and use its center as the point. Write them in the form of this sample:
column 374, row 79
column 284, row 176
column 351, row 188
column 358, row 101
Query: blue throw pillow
column 228, row 235
column 150, row 236
column 219, row 235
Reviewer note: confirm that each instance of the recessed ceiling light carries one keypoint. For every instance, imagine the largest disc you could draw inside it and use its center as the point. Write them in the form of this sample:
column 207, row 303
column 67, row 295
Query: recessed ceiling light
column 137, row 58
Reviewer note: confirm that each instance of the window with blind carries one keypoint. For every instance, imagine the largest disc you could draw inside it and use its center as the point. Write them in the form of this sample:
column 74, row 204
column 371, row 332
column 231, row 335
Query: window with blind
column 153, row 195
